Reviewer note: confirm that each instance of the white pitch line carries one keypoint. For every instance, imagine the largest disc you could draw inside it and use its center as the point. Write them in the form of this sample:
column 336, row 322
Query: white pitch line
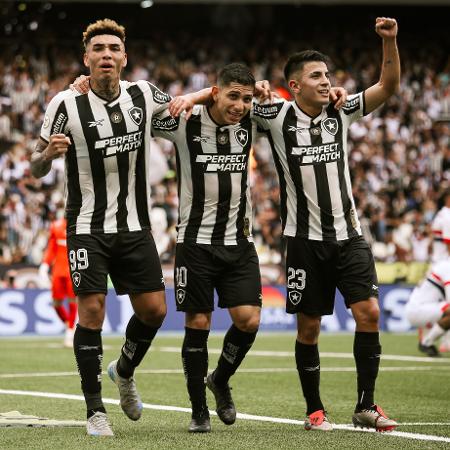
column 282, row 354
column 279, row 354
column 402, row 434
column 242, row 370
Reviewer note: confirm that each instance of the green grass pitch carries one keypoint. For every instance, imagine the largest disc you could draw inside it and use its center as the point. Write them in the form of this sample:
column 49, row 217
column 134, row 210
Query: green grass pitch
column 413, row 389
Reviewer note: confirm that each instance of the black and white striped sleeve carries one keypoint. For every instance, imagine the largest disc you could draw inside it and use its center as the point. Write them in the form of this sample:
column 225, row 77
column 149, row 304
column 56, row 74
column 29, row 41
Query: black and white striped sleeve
column 56, row 117
column 265, row 114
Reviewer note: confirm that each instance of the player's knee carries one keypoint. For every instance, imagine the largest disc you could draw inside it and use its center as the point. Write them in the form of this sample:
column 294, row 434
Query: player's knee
column 367, row 314
column 198, row 321
column 91, row 310
column 154, row 315
column 249, row 324
column 308, row 335
column 308, row 329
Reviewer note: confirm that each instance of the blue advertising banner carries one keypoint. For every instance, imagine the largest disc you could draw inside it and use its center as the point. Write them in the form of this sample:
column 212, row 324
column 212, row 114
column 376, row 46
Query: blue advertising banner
column 30, row 312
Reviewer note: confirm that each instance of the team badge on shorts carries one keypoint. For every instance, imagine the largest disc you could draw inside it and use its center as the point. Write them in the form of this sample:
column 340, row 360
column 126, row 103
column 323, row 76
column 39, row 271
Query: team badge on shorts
column 136, row 115
column 181, row 295
column 241, row 136
column 330, row 125
column 295, row 297
column 76, row 278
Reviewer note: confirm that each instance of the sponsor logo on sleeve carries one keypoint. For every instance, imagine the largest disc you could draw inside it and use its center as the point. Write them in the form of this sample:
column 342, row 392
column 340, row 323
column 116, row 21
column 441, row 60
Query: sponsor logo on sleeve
column 352, row 105
column 169, row 123
column 160, row 97
column 59, row 124
column 267, row 111
column 46, row 121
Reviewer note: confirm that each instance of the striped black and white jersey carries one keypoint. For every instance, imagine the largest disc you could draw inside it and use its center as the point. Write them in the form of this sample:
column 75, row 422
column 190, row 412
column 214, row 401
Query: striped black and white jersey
column 107, row 164
column 311, row 158
column 212, row 166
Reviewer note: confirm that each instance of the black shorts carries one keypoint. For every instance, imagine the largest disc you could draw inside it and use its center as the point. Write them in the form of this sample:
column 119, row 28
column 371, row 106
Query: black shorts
column 130, row 259
column 232, row 270
column 314, row 269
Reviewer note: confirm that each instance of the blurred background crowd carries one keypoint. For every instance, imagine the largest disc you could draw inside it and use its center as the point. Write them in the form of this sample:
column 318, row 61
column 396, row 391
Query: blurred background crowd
column 399, row 156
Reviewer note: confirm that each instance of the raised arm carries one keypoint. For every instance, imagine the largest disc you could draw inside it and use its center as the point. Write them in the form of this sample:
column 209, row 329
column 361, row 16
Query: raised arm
column 389, row 82
column 45, row 153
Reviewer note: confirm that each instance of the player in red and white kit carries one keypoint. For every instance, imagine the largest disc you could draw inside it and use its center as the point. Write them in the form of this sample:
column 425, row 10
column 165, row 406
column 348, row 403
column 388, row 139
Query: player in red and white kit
column 55, row 258
column 429, row 305
column 441, row 245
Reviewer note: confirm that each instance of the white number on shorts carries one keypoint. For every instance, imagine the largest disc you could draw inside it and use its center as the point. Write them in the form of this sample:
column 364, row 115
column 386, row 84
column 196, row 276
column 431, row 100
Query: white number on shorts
column 296, row 278
column 78, row 260
column 181, row 276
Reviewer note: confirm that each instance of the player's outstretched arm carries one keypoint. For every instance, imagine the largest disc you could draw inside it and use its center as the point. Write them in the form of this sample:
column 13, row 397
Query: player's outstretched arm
column 45, row 153
column 389, row 82
column 186, row 102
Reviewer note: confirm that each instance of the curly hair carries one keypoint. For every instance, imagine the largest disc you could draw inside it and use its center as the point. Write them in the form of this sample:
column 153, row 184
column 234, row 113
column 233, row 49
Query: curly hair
column 105, row 26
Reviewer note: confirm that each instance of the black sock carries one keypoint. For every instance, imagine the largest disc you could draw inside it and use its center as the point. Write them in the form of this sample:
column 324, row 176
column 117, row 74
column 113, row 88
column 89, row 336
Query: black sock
column 194, row 355
column 236, row 344
column 91, row 412
column 138, row 338
column 87, row 346
column 308, row 366
column 367, row 352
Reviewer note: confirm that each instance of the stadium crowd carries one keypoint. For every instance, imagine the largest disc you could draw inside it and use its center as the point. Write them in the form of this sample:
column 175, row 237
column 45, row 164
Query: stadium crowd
column 400, row 156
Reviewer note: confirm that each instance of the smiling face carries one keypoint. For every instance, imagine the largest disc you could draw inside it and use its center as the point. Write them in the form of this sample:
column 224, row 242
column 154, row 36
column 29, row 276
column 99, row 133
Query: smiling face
column 311, row 86
column 105, row 56
column 231, row 103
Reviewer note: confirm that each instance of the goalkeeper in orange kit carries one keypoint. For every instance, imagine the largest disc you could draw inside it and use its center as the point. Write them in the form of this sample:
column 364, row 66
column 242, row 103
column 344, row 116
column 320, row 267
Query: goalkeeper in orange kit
column 55, row 259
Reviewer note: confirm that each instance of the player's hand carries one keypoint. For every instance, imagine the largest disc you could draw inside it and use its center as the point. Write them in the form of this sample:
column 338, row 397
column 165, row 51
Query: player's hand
column 338, row 96
column 263, row 92
column 179, row 104
column 43, row 272
column 81, row 84
column 386, row 27
column 57, row 146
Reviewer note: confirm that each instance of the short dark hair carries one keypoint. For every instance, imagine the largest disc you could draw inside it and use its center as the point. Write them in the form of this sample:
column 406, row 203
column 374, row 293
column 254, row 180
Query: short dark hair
column 105, row 26
column 236, row 73
column 298, row 60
